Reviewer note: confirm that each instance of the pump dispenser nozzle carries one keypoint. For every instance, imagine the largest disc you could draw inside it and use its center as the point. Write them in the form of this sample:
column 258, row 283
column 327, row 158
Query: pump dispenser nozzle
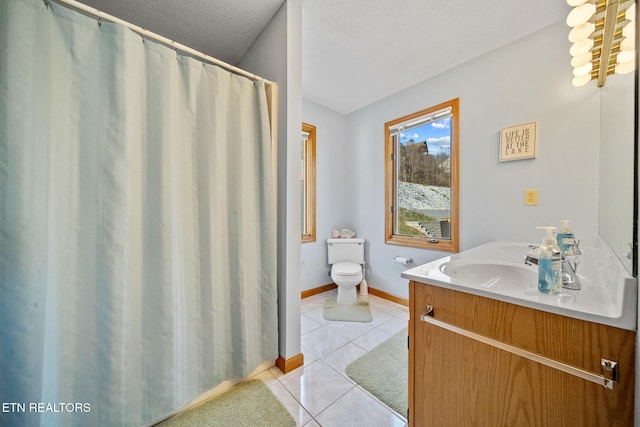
column 550, row 231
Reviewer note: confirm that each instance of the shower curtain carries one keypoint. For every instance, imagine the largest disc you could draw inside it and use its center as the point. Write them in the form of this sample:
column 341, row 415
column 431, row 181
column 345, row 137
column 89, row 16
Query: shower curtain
column 137, row 247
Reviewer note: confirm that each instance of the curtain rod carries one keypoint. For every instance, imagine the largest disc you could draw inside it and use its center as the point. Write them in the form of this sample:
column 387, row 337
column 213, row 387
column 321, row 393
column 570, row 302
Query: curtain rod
column 151, row 35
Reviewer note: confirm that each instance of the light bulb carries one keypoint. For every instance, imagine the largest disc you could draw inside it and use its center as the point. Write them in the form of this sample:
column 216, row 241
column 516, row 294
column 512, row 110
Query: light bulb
column 625, row 68
column 581, row 14
column 583, row 70
column 627, row 44
column 581, row 47
column 629, row 30
column 581, row 32
column 580, row 60
column 630, row 14
column 626, row 56
column 582, row 80
column 574, row 3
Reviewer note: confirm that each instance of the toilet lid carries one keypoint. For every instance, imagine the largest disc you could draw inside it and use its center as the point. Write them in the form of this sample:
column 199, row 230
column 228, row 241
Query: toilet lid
column 347, row 268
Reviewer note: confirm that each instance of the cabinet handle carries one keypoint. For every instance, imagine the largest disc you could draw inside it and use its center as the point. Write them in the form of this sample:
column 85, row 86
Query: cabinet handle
column 429, row 310
column 610, row 368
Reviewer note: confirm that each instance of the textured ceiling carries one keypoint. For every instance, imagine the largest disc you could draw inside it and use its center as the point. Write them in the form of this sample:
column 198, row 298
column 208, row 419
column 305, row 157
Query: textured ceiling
column 355, row 52
column 224, row 29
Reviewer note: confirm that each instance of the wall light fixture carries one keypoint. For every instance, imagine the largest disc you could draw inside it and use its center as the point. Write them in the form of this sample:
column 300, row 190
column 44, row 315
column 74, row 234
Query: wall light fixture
column 603, row 38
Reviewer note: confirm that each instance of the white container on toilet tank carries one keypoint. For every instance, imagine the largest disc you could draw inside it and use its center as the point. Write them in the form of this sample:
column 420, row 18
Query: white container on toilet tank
column 346, row 257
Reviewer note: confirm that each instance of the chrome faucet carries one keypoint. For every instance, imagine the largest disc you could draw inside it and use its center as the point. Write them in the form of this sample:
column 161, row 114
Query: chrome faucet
column 570, row 279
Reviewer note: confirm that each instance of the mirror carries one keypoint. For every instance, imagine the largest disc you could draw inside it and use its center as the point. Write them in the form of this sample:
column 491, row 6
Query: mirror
column 617, row 166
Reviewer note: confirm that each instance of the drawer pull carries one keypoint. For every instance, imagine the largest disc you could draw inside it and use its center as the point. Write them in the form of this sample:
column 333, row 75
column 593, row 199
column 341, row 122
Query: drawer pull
column 429, row 310
column 609, row 368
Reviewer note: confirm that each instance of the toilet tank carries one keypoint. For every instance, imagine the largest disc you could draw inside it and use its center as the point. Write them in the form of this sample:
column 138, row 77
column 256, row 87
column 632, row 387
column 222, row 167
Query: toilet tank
column 345, row 250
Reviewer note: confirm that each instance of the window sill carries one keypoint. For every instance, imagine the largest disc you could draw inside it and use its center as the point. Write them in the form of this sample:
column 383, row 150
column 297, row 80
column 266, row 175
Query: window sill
column 423, row 243
column 307, row 238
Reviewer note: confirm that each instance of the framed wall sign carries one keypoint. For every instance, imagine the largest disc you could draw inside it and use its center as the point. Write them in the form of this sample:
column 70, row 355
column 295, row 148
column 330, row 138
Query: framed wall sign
column 518, row 142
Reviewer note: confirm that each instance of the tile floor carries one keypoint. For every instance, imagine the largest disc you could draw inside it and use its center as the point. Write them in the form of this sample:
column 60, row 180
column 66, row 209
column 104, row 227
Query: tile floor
column 320, row 393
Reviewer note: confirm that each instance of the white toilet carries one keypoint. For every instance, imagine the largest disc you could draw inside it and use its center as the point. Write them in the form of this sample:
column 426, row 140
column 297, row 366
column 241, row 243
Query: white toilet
column 346, row 257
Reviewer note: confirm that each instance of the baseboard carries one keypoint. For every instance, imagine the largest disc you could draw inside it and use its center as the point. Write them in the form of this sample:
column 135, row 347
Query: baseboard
column 311, row 292
column 387, row 296
column 288, row 365
column 372, row 291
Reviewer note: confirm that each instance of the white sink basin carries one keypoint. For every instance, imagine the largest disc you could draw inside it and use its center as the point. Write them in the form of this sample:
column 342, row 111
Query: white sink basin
column 491, row 274
column 497, row 270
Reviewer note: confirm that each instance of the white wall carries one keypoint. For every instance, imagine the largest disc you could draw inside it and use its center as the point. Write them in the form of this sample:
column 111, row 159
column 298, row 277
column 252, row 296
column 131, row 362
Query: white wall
column 332, row 201
column 616, row 163
column 528, row 80
column 277, row 55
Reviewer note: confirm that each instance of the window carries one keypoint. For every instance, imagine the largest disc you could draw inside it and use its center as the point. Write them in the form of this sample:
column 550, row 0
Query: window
column 308, row 183
column 421, row 182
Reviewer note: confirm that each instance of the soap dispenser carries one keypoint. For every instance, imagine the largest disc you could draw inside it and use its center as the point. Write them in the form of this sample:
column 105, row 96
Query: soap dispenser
column 549, row 264
column 566, row 238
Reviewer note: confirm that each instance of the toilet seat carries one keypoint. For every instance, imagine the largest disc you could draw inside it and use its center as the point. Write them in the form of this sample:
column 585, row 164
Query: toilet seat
column 347, row 275
column 346, row 269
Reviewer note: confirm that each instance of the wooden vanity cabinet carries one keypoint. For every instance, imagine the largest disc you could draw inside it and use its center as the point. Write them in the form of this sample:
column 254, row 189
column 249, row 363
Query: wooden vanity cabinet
column 455, row 380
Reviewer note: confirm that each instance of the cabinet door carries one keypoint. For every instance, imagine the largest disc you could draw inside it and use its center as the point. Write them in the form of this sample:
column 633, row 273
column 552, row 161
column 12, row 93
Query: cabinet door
column 458, row 381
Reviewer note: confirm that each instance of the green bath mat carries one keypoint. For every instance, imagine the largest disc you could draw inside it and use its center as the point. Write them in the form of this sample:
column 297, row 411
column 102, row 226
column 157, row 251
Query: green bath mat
column 360, row 312
column 247, row 404
column 384, row 372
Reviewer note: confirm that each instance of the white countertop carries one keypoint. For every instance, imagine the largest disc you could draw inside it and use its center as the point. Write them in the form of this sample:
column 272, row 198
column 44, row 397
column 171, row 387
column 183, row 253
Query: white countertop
column 608, row 295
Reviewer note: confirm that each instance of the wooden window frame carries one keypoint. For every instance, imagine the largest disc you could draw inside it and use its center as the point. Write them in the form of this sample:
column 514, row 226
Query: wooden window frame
column 309, row 227
column 451, row 245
